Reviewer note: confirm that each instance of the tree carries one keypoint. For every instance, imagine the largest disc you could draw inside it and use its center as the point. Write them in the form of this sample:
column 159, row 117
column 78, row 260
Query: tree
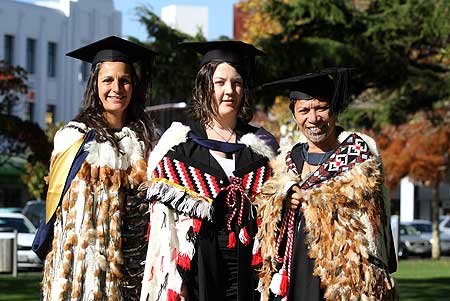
column 37, row 170
column 176, row 68
column 12, row 84
column 420, row 150
column 19, row 138
column 15, row 141
column 401, row 49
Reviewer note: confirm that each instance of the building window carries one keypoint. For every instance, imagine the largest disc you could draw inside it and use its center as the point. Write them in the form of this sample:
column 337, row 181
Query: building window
column 51, row 59
column 30, row 111
column 31, row 54
column 9, row 49
column 50, row 115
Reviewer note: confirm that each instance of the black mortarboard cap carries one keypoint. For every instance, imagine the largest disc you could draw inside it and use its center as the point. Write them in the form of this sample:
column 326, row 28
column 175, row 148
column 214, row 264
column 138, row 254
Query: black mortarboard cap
column 238, row 53
column 331, row 84
column 112, row 49
column 235, row 52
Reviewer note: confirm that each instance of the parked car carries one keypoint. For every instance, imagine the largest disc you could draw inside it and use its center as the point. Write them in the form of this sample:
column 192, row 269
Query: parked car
column 26, row 258
column 35, row 211
column 444, row 224
column 11, row 209
column 412, row 243
column 424, row 228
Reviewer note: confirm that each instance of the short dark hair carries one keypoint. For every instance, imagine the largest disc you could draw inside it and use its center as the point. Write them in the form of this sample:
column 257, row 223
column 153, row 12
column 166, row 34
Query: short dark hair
column 204, row 109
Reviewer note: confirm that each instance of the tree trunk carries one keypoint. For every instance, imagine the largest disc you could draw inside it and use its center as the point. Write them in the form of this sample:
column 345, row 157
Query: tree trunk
column 435, row 204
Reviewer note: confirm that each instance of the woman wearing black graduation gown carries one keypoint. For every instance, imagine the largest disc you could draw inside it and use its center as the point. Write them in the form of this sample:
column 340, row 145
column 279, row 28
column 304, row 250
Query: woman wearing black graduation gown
column 327, row 197
column 203, row 178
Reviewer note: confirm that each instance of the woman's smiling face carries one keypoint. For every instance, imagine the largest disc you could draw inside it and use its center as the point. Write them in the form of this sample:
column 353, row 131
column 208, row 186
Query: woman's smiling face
column 114, row 88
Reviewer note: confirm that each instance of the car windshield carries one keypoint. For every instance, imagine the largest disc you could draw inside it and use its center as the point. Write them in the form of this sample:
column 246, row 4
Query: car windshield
column 20, row 224
column 408, row 230
column 423, row 228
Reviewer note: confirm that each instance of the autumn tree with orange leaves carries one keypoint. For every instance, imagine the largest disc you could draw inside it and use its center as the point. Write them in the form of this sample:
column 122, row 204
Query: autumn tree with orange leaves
column 420, row 150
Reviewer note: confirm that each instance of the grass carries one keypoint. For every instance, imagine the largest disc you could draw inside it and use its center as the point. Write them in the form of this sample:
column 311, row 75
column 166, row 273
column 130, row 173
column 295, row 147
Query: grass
column 25, row 287
column 418, row 280
column 424, row 280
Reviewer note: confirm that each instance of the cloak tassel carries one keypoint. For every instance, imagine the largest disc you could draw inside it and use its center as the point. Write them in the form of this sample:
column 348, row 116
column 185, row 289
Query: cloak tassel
column 196, row 224
column 256, row 259
column 231, row 240
column 183, row 261
column 279, row 283
column 172, row 295
column 244, row 237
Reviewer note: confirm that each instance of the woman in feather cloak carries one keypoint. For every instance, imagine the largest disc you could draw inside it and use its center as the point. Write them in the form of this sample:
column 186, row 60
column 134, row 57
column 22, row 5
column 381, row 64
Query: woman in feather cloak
column 203, row 177
column 98, row 162
column 325, row 232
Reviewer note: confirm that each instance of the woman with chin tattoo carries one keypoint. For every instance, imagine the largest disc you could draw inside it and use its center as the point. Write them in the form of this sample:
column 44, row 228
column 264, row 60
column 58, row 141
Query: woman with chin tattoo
column 325, row 232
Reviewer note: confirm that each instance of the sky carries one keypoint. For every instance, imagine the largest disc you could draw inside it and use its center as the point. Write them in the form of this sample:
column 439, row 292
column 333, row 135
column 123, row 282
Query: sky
column 220, row 15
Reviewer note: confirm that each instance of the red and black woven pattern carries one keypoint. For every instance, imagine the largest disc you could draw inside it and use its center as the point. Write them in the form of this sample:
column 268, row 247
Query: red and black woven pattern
column 254, row 180
column 187, row 176
column 351, row 151
column 290, row 165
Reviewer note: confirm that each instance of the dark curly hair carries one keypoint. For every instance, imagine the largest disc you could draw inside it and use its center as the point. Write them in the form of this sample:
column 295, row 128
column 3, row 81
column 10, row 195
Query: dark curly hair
column 135, row 116
column 204, row 109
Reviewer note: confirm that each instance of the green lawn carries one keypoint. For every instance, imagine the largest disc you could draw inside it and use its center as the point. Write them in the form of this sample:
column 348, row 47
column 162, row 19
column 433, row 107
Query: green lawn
column 25, row 287
column 419, row 280
column 424, row 280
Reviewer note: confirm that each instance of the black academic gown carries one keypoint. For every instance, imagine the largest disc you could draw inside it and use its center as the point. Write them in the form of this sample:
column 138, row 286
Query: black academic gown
column 217, row 272
column 304, row 286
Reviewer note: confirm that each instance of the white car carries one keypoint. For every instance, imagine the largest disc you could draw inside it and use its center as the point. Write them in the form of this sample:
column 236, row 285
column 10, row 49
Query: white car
column 444, row 224
column 26, row 258
column 424, row 228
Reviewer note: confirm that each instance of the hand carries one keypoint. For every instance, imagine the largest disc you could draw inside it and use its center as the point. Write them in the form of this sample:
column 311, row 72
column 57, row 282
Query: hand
column 294, row 198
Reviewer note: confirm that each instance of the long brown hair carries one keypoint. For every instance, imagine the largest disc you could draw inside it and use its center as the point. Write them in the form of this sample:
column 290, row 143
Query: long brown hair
column 135, row 117
column 203, row 106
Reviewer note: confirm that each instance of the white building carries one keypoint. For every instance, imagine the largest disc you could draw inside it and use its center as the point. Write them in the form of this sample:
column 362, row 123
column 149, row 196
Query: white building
column 187, row 19
column 37, row 37
column 415, row 200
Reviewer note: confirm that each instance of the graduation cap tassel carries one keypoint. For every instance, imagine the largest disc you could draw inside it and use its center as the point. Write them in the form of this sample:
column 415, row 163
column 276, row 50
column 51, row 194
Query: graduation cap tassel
column 145, row 78
column 342, row 91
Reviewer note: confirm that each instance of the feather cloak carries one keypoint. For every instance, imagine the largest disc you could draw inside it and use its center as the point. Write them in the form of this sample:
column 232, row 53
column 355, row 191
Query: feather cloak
column 85, row 259
column 347, row 223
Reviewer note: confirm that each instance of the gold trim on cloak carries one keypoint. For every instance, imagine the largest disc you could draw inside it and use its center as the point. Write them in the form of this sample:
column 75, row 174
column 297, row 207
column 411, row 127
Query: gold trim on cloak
column 191, row 193
column 57, row 178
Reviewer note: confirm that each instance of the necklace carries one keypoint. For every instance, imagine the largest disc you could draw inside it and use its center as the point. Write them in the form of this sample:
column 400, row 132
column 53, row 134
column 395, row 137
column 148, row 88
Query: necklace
column 225, row 139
